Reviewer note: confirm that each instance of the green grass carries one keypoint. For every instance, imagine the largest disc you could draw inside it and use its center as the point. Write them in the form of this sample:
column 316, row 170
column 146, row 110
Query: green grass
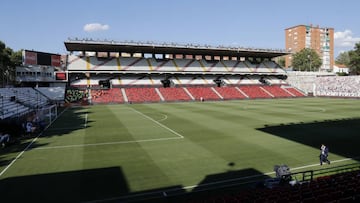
column 110, row 151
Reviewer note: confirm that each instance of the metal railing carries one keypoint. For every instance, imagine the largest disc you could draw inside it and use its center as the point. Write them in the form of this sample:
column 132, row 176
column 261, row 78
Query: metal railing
column 309, row 175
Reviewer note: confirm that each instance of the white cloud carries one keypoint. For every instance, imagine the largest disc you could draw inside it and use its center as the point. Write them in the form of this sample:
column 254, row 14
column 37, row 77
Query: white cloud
column 92, row 27
column 345, row 39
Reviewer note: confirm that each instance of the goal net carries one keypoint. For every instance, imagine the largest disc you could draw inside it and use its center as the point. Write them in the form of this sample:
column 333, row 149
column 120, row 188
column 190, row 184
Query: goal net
column 47, row 114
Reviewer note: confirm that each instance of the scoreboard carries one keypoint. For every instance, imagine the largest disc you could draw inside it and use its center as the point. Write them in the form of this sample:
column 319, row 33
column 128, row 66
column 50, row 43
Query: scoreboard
column 41, row 58
column 41, row 67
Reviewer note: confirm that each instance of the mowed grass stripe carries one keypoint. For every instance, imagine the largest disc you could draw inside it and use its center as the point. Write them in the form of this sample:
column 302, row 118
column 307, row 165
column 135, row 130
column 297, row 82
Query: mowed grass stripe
column 185, row 161
column 222, row 140
column 161, row 125
column 255, row 144
column 209, row 134
column 294, row 110
column 105, row 126
column 221, row 137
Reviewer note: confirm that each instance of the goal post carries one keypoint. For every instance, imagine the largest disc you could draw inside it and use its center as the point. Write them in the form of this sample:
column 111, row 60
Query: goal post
column 47, row 114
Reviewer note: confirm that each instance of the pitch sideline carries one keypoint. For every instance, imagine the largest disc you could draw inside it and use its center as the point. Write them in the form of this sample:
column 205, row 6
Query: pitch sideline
column 209, row 184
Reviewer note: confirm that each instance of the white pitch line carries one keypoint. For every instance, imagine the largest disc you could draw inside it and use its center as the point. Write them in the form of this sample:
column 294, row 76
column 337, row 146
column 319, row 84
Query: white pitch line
column 86, row 118
column 108, row 143
column 28, row 146
column 18, row 156
column 59, row 129
column 165, row 117
column 268, row 173
column 161, row 125
column 335, row 161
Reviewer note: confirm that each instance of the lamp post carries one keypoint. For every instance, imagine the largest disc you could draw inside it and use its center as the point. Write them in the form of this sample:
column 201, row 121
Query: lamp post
column 309, row 57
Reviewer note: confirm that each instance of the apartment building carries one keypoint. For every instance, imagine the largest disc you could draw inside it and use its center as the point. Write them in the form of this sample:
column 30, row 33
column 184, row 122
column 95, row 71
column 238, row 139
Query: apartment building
column 308, row 36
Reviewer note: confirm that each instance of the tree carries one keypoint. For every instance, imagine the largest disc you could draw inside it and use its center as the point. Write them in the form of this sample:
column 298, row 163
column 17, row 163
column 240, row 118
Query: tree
column 3, row 55
column 354, row 56
column 281, row 61
column 306, row 60
column 8, row 62
column 343, row 58
column 16, row 58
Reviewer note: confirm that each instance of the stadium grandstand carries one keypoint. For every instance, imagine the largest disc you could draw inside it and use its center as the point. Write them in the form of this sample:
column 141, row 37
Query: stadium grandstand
column 38, row 90
column 120, row 72
column 86, row 143
column 127, row 72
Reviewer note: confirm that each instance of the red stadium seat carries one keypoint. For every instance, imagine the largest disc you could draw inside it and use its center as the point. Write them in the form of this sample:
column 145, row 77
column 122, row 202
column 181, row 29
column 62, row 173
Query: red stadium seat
column 142, row 94
column 203, row 92
column 230, row 93
column 255, row 91
column 174, row 94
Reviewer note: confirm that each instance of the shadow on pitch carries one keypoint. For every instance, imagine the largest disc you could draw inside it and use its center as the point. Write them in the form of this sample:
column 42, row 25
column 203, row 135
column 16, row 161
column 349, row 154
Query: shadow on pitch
column 6, row 159
column 72, row 186
column 339, row 135
column 72, row 120
column 109, row 185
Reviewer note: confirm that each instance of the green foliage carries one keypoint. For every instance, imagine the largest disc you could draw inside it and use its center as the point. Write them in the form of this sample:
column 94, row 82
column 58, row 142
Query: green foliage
column 341, row 74
column 343, row 58
column 281, row 61
column 16, row 58
column 75, row 95
column 8, row 62
column 354, row 63
column 306, row 60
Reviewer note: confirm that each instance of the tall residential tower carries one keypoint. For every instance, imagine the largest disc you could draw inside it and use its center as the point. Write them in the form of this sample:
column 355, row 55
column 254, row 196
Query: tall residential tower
column 307, row 36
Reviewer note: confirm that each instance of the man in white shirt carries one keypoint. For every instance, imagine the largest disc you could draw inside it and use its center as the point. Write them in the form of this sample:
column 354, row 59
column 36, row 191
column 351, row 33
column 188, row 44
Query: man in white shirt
column 30, row 128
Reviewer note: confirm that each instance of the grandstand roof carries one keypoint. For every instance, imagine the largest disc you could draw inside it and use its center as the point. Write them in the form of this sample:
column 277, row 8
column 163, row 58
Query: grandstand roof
column 170, row 48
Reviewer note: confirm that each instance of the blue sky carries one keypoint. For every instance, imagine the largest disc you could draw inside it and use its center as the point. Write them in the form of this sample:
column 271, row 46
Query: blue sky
column 44, row 25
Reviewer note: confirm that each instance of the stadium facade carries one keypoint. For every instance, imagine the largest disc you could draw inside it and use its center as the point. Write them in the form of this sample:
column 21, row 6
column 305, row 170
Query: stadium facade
column 160, row 72
column 137, row 72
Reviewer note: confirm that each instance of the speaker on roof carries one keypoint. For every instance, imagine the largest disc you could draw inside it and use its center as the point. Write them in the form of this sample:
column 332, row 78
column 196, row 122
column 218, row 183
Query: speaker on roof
column 166, row 83
column 218, row 82
column 105, row 84
column 263, row 80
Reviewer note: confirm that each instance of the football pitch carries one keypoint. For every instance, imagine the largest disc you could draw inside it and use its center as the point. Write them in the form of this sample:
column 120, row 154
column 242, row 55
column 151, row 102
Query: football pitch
column 114, row 152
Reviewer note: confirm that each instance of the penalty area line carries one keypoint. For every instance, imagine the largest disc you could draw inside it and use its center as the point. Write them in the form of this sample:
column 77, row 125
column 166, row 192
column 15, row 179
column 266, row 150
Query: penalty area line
column 161, row 125
column 108, row 143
